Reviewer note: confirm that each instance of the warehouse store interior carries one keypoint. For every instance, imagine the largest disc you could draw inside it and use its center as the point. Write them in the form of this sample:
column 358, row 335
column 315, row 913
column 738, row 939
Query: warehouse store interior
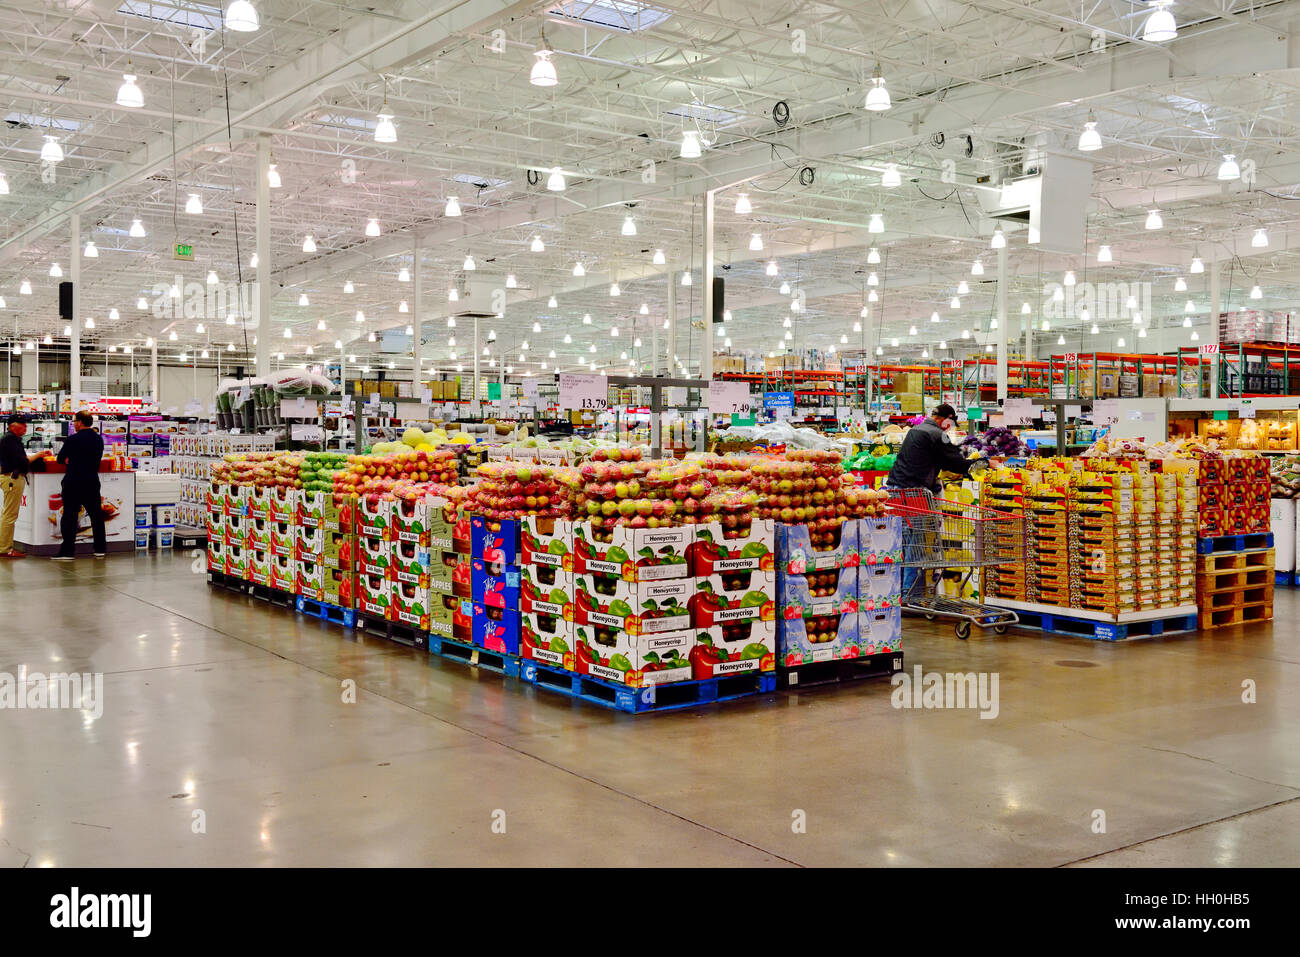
column 621, row 433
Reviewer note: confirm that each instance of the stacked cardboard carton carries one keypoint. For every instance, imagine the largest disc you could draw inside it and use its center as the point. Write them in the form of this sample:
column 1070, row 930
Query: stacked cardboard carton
column 1047, row 540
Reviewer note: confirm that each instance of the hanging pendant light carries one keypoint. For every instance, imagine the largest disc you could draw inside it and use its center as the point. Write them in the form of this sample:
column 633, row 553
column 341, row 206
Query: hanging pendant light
column 877, row 97
column 1047, row 326
column 1069, row 278
column 1195, row 335
column 1259, row 240
column 955, row 303
column 194, row 205
column 874, row 280
column 385, row 131
column 272, row 176
column 785, row 289
column 876, row 224
column 755, row 243
column 1197, row 265
column 891, row 178
column 56, row 270
column 659, row 259
column 140, row 303
column 1103, row 254
column 743, row 206
column 51, row 151
column 1228, row 169
column 1180, row 284
column 771, row 267
column 348, row 288
column 1187, row 322
column 963, row 288
column 999, row 240
column 1024, row 309
column 872, row 296
column 137, row 229
column 629, row 226
column 690, row 145
column 241, row 16
column 511, row 282
column 403, row 307
column 977, row 268
column 90, row 252
column 1090, row 139
column 911, row 331
column 873, row 256
column 1256, row 292
column 128, row 94
column 586, row 319
column 1094, row 330
column 686, row 277
column 578, row 269
column 1058, row 294
column 543, row 71
column 555, row 181
column 1154, row 219
column 552, row 303
column 1161, row 25
column 114, row 315
column 320, row 326
column 645, row 311
column 934, row 316
column 372, row 227
column 309, row 246
column 90, row 322
column 360, row 316
column 252, row 261
column 469, row 265
column 212, row 277
column 614, row 290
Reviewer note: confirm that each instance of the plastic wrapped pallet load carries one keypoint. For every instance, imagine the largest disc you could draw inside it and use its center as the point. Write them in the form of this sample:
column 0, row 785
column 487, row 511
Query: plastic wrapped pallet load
column 1282, row 521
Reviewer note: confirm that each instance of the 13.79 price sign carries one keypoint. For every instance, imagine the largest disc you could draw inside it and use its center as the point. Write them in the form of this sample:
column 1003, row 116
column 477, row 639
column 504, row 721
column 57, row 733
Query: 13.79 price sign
column 731, row 398
column 584, row 392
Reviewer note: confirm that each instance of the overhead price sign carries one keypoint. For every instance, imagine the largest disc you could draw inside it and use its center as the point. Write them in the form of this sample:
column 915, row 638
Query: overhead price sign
column 731, row 398
column 1105, row 411
column 584, row 392
column 1017, row 412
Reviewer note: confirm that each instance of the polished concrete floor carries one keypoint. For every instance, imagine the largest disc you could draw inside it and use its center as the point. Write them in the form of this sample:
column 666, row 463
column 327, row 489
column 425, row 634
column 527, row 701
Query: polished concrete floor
column 219, row 704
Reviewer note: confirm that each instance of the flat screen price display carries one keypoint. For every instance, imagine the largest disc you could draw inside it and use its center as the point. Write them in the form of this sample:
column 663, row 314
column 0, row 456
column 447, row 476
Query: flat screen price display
column 584, row 392
column 731, row 398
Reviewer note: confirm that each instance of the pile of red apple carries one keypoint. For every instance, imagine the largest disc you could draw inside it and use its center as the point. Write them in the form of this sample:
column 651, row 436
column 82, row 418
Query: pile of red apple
column 409, row 476
column 512, row 490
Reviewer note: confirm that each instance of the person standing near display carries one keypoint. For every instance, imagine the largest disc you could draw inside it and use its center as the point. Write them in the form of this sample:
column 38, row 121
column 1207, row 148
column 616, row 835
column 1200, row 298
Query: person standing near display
column 81, row 454
column 14, row 468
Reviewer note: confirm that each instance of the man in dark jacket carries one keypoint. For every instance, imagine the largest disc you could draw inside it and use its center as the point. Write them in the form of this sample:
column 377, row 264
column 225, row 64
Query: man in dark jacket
column 81, row 454
column 926, row 452
column 14, row 467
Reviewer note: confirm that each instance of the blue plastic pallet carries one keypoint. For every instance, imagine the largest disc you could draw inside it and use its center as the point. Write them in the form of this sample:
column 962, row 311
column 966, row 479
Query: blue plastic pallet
column 672, row 696
column 347, row 617
column 1233, row 543
column 1104, row 630
column 396, row 631
column 1284, row 578
column 474, row 656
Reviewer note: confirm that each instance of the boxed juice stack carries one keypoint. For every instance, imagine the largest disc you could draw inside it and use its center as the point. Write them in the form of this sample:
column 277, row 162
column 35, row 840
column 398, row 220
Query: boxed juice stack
column 1234, row 495
column 1047, row 540
column 1003, row 489
column 1104, row 533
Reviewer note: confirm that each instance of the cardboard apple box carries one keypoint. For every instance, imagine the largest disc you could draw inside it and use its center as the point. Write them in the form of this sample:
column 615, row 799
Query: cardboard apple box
column 634, row 554
column 825, row 638
column 408, row 604
column 216, row 523
column 546, row 590
column 259, row 566
column 449, row 616
column 547, row 541
column 308, row 542
column 494, row 540
column 310, row 580
column 636, row 607
column 409, row 521
column 284, row 572
column 546, row 638
column 449, row 527
column 712, row 551
column 734, row 648
column 880, row 630
column 259, row 502
column 496, row 629
column 338, row 548
column 372, row 596
column 494, row 585
column 615, row 655
column 797, row 595
column 284, row 539
column 796, row 555
column 372, row 517
column 879, row 586
column 236, row 530
column 216, row 555
column 319, row 510
column 373, row 556
column 236, row 561
column 258, row 534
column 733, row 596
column 339, row 587
column 409, row 563
column 283, row 504
column 880, row 540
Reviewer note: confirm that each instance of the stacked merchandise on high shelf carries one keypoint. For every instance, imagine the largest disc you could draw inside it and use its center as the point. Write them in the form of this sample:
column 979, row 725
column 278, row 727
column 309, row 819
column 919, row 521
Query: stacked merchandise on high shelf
column 192, row 458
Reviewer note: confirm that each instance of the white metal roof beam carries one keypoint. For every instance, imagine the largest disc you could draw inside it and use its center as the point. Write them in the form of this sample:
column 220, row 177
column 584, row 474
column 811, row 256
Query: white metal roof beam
column 369, row 46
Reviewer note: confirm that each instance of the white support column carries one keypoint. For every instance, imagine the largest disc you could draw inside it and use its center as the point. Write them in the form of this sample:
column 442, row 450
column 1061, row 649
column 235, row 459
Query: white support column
column 262, row 298
column 1029, row 337
column 74, row 274
column 417, row 333
column 1002, row 324
column 654, row 346
column 1216, row 307
column 670, row 354
column 706, row 347
column 153, row 371
column 478, row 350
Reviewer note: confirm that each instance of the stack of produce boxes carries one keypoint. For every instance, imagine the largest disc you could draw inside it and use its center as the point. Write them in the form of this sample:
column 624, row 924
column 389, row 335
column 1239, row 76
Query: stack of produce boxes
column 1047, row 539
column 372, row 557
column 1233, row 495
column 494, row 583
column 326, row 555
column 880, row 556
column 632, row 589
column 1003, row 489
column 450, row 592
column 1175, row 506
column 817, row 593
column 1103, row 542
column 546, row 592
column 733, row 608
column 410, row 523
column 282, row 523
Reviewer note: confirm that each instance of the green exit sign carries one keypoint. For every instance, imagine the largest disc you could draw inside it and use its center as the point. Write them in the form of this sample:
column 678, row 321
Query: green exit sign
column 184, row 251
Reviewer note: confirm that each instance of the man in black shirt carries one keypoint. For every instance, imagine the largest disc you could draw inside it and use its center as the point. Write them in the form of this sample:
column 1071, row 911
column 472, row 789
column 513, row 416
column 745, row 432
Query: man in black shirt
column 14, row 466
column 926, row 452
column 80, row 455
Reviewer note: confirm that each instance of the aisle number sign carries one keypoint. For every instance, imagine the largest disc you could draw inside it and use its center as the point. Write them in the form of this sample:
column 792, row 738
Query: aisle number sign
column 731, row 398
column 584, row 391
column 1072, row 357
column 1209, row 348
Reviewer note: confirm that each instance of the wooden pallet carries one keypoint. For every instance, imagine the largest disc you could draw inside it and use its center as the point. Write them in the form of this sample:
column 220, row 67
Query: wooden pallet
column 1236, row 561
column 1235, row 598
column 1239, row 615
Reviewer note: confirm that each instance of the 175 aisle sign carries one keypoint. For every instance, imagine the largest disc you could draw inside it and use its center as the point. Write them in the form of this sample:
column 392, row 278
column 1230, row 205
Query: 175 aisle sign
column 584, row 391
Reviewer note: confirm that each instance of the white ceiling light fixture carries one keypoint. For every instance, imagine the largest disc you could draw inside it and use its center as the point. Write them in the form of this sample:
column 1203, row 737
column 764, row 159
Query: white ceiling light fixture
column 785, row 289
column 309, row 246
column 893, row 343
column 1187, row 322
column 320, row 326
column 1060, row 340
column 56, row 270
column 943, row 344
column 469, row 265
column 965, row 333
column 212, row 277
column 579, row 269
column 1228, row 169
column 273, row 176
column 567, row 339
column 880, row 350
column 1142, row 333
column 252, row 261
column 241, row 16
column 1047, row 326
column 141, row 303
column 690, row 145
column 174, row 291
column 999, row 240
column 90, row 252
column 1161, row 25
column 372, row 227
column 385, row 131
column 786, row 322
column 629, row 226
column 686, row 277
column 51, row 151
column 552, row 303
column 403, row 307
column 1197, row 266
column 911, row 330
column 48, row 340
column 348, row 288
column 1256, row 292
column 771, row 268
column 755, row 243
column 877, row 97
column 891, row 178
column 4, row 184
column 67, row 331
column 451, row 322
column 874, row 280
column 1083, row 314
column 977, row 268
column 409, row 330
column 403, row 275
column 1154, row 219
column 1260, row 239
column 645, row 311
column 537, row 245
column 963, row 288
column 659, row 259
column 873, row 256
column 89, row 323
column 452, row 208
column 114, row 315
column 955, row 303
column 288, row 333
column 137, row 229
column 537, row 326
column 872, row 296
column 743, row 205
column 1103, row 254
column 1180, row 284
column 511, row 281
column 1195, row 335
column 614, row 290
column 360, row 316
column 586, row 319
column 876, row 224
column 543, row 71
column 844, row 338
column 1090, row 139
column 453, row 295
column 1069, row 278
column 1094, row 330
column 370, row 336
column 194, row 205
column 934, row 316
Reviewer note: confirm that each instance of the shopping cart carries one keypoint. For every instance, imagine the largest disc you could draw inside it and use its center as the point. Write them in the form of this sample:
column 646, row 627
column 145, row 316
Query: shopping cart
column 944, row 536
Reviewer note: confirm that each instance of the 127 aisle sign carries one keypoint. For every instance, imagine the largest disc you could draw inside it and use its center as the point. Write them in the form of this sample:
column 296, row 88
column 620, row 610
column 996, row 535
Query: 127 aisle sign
column 731, row 398
column 584, row 391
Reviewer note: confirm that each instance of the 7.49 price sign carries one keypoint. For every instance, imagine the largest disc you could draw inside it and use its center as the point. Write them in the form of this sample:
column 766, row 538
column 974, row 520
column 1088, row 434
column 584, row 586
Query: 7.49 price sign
column 731, row 398
column 584, row 392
